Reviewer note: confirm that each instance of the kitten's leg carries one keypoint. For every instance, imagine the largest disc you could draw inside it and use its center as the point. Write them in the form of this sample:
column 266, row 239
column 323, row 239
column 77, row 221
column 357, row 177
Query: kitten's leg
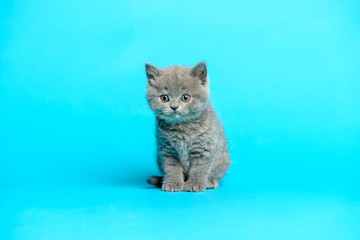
column 198, row 174
column 219, row 169
column 174, row 177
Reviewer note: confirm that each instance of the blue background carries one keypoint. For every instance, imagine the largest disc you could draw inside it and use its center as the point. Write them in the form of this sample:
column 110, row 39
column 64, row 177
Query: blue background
column 77, row 137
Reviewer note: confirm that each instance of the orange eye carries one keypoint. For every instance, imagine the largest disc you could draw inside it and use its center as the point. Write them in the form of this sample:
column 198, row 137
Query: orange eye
column 164, row 98
column 185, row 98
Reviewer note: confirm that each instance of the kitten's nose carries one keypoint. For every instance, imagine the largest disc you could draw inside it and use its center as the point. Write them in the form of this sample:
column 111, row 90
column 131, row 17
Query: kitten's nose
column 174, row 108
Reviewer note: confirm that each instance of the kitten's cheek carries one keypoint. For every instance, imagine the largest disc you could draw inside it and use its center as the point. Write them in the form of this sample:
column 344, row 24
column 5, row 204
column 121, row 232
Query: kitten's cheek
column 167, row 111
column 185, row 111
column 152, row 106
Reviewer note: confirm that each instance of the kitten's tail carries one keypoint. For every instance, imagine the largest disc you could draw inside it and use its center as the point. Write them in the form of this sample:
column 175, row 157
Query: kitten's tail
column 155, row 180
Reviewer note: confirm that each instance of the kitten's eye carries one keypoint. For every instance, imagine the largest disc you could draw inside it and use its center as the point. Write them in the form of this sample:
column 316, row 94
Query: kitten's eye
column 185, row 98
column 164, row 98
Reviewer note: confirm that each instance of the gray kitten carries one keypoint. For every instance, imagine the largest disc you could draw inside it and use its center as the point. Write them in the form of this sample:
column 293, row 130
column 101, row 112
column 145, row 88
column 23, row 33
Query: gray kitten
column 192, row 152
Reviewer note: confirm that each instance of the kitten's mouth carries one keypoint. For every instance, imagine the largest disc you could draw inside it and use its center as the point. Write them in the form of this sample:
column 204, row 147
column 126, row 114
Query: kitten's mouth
column 175, row 114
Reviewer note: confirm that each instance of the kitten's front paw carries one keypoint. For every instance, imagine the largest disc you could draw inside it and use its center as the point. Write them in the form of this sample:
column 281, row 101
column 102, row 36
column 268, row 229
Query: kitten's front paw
column 194, row 186
column 172, row 186
column 213, row 183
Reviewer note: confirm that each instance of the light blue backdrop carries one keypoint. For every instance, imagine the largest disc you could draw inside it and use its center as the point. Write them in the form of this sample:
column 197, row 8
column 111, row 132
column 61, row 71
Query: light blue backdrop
column 77, row 137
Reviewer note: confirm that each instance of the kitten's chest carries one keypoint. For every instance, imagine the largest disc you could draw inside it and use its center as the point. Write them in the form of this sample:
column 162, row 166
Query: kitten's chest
column 182, row 143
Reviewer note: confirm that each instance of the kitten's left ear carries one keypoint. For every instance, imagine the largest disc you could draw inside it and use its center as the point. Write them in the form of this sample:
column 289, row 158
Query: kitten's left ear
column 151, row 72
column 200, row 72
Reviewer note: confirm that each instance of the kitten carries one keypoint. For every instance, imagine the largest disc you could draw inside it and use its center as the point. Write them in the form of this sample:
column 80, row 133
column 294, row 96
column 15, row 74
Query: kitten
column 192, row 152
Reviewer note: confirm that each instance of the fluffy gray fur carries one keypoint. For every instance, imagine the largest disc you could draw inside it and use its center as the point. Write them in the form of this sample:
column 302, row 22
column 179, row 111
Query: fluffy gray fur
column 192, row 152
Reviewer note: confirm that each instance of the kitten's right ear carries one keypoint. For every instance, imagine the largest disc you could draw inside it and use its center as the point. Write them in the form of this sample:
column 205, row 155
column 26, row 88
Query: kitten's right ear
column 151, row 72
column 200, row 72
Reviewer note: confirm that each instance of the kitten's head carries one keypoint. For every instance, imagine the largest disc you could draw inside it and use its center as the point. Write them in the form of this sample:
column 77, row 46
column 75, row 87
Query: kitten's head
column 177, row 93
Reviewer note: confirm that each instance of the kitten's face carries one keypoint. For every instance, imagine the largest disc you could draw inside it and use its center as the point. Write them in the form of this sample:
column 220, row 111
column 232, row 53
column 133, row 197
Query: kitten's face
column 177, row 93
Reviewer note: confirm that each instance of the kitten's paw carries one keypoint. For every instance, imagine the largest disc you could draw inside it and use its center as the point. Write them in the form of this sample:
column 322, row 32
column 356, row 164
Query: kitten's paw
column 172, row 186
column 194, row 186
column 213, row 183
